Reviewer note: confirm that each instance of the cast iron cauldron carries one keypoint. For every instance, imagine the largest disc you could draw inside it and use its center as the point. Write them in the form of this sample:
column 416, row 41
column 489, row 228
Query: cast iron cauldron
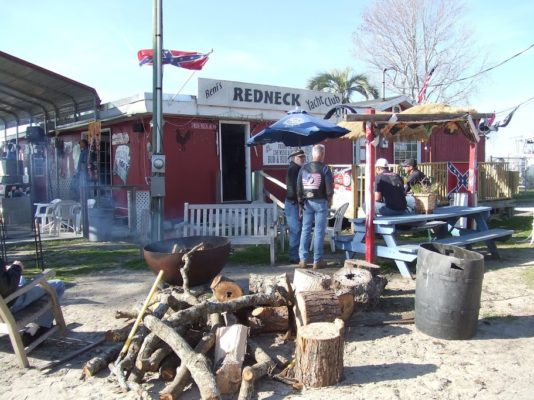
column 205, row 264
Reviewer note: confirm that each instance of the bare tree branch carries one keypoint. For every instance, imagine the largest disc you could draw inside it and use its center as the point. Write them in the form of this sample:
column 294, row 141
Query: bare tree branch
column 413, row 36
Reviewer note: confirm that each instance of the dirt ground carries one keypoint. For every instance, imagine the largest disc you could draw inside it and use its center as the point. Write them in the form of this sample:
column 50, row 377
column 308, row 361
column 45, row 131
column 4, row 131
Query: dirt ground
column 388, row 361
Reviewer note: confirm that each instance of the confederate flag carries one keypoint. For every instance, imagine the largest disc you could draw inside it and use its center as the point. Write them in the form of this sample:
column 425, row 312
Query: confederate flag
column 182, row 59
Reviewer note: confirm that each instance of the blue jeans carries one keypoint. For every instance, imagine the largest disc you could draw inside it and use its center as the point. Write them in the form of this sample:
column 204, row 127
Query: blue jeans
column 315, row 210
column 35, row 294
column 294, row 224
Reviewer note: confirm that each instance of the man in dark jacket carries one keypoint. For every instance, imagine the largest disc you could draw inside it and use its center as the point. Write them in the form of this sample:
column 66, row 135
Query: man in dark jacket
column 415, row 177
column 315, row 189
column 390, row 198
column 291, row 204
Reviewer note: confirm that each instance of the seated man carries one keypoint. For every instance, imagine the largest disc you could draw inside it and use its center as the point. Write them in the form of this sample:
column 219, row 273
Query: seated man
column 10, row 280
column 390, row 198
column 415, row 177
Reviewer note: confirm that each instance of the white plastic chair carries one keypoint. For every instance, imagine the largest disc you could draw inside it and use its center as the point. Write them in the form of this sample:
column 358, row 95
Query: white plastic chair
column 46, row 214
column 65, row 212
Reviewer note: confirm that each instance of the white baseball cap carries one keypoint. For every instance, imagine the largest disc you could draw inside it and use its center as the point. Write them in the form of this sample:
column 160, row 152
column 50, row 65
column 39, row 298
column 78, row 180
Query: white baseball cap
column 382, row 162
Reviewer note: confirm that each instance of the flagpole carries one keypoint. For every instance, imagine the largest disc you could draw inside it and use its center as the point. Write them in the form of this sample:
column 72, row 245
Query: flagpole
column 185, row 83
column 157, row 181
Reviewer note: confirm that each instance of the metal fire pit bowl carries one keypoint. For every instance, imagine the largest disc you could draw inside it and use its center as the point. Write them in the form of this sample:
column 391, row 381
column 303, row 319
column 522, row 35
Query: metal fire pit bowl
column 205, row 264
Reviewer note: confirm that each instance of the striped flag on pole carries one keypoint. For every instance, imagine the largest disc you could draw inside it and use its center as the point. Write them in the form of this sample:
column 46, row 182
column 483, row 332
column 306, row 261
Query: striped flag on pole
column 422, row 91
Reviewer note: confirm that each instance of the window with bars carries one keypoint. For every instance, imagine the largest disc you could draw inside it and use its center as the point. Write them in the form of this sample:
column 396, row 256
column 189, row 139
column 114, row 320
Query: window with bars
column 404, row 150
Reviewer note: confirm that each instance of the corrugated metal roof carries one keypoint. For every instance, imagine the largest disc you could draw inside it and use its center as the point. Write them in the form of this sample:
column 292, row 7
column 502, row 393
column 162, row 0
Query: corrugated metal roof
column 32, row 94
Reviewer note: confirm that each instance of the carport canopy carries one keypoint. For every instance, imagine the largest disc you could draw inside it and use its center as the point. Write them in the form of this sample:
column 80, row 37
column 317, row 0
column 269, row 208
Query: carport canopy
column 30, row 94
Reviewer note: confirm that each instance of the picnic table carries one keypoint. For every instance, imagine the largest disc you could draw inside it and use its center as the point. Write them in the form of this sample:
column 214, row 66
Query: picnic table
column 441, row 223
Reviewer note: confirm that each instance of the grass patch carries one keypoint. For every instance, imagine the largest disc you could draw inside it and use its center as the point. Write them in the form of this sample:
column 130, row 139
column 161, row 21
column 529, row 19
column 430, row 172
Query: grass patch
column 525, row 195
column 254, row 255
column 529, row 277
column 522, row 225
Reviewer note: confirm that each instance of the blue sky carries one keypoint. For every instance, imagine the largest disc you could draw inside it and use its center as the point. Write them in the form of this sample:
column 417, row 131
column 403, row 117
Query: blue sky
column 280, row 42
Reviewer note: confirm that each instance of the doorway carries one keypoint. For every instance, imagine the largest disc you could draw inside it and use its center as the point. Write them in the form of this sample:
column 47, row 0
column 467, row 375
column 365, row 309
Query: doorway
column 235, row 162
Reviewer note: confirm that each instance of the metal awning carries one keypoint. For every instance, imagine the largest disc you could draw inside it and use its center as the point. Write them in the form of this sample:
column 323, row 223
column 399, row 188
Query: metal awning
column 30, row 94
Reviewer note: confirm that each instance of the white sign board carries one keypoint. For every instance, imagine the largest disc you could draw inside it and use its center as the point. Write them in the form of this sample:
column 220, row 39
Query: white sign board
column 278, row 153
column 248, row 95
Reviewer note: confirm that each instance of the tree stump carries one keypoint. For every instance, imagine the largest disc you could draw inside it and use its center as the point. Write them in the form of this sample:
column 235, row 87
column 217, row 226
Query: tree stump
column 306, row 281
column 361, row 264
column 319, row 354
column 346, row 303
column 317, row 306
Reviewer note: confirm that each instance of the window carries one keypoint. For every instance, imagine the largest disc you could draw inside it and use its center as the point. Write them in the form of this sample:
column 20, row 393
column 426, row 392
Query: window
column 404, row 150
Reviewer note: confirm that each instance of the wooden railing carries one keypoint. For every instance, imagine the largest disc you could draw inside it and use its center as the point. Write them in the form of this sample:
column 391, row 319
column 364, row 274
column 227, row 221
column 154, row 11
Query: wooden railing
column 495, row 182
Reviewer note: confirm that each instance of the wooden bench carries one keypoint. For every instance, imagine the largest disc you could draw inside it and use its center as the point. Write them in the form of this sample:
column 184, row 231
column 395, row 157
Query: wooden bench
column 250, row 223
column 475, row 237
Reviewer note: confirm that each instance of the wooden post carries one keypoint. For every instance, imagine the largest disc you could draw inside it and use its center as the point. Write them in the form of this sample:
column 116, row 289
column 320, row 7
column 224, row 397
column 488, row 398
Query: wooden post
column 473, row 173
column 369, row 191
column 319, row 353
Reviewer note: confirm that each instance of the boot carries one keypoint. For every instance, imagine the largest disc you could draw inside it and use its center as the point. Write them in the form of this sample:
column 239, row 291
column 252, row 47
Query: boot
column 319, row 264
column 302, row 264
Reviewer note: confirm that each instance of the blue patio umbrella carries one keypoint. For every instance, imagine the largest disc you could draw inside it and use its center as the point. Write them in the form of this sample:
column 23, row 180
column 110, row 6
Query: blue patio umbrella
column 298, row 128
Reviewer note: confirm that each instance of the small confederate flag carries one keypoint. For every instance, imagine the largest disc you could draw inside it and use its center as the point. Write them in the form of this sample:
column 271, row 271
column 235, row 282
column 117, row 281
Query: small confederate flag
column 422, row 91
column 182, row 59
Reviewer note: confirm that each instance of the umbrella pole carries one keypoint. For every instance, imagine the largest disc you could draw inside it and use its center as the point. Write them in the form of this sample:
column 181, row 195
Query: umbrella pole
column 369, row 191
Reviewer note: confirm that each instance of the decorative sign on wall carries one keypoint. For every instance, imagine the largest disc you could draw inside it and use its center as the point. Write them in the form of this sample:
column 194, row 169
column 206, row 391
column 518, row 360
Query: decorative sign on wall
column 278, row 153
column 120, row 138
column 121, row 165
column 343, row 187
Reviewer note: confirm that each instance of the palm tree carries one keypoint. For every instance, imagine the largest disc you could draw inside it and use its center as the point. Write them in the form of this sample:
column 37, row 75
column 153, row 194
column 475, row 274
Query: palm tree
column 344, row 82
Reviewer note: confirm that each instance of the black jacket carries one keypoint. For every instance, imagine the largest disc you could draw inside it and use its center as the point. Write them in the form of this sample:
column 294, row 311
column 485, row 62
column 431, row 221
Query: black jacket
column 291, row 181
column 315, row 181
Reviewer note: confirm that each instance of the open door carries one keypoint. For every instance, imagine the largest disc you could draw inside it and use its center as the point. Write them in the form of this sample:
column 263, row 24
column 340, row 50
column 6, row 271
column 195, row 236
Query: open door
column 234, row 162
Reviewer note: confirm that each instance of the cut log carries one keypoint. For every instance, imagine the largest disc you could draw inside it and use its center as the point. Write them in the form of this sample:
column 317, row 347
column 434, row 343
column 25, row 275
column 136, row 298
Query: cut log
column 96, row 364
column 266, row 283
column 202, row 310
column 365, row 287
column 317, row 306
column 225, row 289
column 269, row 319
column 307, row 281
column 361, row 264
column 346, row 303
column 167, row 368
column 230, row 349
column 319, row 354
column 196, row 363
column 174, row 389
column 264, row 365
column 119, row 334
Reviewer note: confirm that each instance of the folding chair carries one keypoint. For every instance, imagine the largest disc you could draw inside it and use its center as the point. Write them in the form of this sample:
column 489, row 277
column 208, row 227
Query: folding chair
column 13, row 323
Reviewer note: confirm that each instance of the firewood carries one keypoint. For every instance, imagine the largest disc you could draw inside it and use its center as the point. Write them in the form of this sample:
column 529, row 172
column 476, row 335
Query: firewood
column 196, row 363
column 167, row 368
column 182, row 378
column 264, row 365
column 346, row 303
column 202, row 310
column 230, row 349
column 361, row 264
column 317, row 306
column 153, row 363
column 319, row 354
column 269, row 319
column 95, row 364
column 119, row 334
column 350, row 276
column 186, row 258
column 225, row 289
column 266, row 283
column 306, row 281
column 126, row 314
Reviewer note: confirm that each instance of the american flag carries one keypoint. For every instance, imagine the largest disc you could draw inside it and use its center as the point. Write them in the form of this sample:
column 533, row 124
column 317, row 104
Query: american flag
column 181, row 59
column 422, row 91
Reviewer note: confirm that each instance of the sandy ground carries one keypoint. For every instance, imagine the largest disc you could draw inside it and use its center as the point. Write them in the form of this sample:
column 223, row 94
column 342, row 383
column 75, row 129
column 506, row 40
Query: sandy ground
column 392, row 361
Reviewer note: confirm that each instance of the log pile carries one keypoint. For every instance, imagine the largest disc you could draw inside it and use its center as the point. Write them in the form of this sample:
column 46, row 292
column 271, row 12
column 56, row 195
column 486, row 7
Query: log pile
column 186, row 336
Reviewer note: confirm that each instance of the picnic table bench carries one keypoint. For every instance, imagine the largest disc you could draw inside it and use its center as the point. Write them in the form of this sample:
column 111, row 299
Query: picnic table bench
column 442, row 223
column 243, row 223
